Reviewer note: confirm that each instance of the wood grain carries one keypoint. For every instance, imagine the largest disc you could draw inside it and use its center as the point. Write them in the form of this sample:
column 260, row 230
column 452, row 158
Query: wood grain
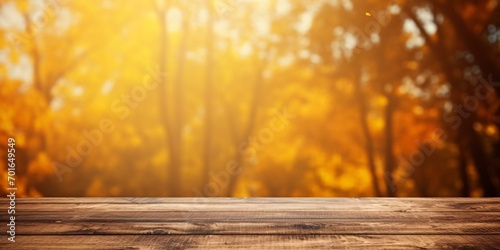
column 260, row 242
column 160, row 223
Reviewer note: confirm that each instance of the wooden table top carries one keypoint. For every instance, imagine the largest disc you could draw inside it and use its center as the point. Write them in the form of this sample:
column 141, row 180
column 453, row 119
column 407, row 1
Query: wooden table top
column 260, row 223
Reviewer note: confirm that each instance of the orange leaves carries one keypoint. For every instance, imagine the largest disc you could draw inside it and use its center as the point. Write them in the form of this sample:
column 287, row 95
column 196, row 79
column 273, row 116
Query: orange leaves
column 218, row 87
column 40, row 167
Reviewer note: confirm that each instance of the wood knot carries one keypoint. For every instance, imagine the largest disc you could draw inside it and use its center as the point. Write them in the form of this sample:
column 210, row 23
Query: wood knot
column 307, row 226
column 158, row 231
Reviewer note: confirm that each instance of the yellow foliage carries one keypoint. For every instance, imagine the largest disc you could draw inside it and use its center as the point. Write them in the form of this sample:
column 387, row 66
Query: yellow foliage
column 266, row 99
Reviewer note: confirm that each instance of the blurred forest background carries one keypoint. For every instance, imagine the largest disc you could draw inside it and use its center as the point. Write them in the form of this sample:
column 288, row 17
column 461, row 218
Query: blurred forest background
column 251, row 98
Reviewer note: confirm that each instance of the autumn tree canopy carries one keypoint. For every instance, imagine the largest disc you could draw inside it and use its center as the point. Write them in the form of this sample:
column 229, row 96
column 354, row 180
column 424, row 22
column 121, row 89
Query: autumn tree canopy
column 251, row 98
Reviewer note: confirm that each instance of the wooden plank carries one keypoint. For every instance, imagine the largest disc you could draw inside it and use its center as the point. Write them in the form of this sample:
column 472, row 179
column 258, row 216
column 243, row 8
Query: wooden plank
column 216, row 204
column 256, row 242
column 198, row 200
column 256, row 222
column 312, row 206
column 249, row 216
column 317, row 227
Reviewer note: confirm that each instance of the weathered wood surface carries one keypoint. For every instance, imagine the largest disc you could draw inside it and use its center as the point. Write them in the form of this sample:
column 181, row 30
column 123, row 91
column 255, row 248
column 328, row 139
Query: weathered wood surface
column 163, row 223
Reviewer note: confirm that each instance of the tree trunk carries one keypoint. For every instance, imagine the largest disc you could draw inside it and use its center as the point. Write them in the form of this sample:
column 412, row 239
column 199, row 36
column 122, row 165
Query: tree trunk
column 477, row 152
column 389, row 141
column 208, row 95
column 173, row 173
column 256, row 96
column 178, row 110
column 368, row 138
column 464, row 176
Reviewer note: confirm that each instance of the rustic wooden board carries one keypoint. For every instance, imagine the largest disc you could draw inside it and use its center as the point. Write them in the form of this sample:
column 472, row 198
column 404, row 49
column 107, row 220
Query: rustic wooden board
column 260, row 242
column 317, row 227
column 237, row 205
column 255, row 223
